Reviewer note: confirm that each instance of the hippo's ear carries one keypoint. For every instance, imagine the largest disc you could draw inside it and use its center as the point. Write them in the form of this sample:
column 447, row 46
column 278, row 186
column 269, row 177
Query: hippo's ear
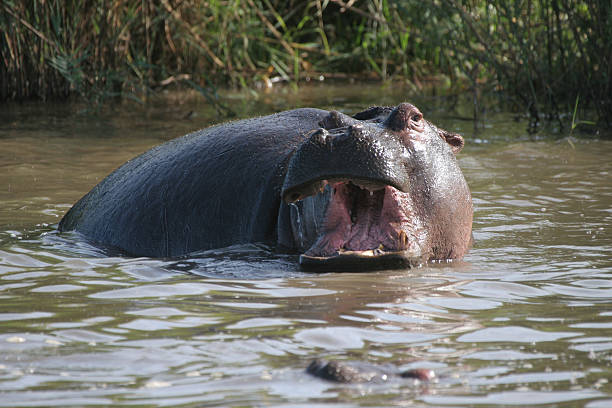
column 453, row 139
column 374, row 113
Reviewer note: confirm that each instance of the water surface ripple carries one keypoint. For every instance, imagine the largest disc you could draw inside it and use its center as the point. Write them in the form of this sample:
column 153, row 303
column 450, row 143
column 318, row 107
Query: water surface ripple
column 525, row 319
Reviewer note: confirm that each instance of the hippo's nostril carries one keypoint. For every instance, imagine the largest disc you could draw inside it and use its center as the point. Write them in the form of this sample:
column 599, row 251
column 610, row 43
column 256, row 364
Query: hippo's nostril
column 318, row 136
column 355, row 129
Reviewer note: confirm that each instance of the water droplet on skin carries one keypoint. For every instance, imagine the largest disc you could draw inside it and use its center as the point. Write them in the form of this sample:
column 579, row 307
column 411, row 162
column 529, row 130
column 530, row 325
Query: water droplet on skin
column 298, row 220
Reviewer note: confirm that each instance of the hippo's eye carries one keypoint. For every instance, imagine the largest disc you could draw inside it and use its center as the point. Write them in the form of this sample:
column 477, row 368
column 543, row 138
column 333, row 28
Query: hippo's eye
column 416, row 117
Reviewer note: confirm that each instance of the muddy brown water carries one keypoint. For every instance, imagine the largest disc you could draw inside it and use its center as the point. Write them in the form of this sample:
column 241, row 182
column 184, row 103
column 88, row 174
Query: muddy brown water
column 525, row 319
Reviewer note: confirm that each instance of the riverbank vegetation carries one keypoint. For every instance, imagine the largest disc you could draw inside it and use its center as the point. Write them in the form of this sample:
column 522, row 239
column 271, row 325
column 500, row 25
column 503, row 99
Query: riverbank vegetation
column 541, row 57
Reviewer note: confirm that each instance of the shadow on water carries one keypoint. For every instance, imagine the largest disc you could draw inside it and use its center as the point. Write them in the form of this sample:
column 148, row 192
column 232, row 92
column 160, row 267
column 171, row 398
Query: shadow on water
column 525, row 319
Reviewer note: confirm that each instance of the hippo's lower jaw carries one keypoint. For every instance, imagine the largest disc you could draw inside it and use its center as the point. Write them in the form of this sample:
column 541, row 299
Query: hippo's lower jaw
column 368, row 225
column 361, row 260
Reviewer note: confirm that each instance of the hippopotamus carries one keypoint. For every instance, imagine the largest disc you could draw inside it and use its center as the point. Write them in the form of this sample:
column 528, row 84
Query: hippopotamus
column 358, row 372
column 378, row 189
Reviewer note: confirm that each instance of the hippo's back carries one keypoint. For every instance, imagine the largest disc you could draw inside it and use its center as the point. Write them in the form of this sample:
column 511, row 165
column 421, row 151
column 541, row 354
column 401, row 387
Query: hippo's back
column 212, row 188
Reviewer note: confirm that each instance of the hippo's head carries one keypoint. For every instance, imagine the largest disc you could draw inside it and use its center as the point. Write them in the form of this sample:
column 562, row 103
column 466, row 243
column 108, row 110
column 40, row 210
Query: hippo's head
column 381, row 189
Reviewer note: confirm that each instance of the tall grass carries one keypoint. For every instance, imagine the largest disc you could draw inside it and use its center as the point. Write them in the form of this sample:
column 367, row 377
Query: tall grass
column 540, row 55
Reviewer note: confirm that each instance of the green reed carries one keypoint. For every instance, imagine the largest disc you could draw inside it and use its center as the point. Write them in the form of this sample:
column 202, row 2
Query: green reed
column 537, row 55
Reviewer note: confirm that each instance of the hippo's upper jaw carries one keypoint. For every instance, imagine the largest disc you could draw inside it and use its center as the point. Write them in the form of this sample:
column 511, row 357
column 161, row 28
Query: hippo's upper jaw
column 378, row 193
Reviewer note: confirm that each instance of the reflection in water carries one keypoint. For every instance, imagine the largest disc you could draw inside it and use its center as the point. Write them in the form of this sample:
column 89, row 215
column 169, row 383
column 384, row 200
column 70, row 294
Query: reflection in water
column 524, row 320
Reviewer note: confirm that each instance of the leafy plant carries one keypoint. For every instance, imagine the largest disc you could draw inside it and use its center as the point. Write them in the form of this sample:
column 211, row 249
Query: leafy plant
column 536, row 55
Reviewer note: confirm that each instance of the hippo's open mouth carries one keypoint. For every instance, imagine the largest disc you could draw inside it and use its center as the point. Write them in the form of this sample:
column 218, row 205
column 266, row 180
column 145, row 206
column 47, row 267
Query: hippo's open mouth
column 368, row 225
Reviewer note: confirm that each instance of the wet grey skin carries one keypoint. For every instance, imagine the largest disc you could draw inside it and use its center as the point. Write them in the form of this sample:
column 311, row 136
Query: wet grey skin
column 359, row 372
column 381, row 189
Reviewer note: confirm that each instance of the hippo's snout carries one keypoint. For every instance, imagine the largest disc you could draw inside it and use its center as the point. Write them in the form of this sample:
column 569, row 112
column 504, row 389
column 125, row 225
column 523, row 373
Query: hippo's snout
column 364, row 154
column 382, row 191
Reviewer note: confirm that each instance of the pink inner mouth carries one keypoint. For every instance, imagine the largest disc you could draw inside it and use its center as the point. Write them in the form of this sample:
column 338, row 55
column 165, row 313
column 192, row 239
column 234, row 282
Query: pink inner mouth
column 360, row 219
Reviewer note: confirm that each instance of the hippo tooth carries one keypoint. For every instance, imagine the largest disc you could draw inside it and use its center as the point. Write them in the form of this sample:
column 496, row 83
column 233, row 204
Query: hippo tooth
column 403, row 240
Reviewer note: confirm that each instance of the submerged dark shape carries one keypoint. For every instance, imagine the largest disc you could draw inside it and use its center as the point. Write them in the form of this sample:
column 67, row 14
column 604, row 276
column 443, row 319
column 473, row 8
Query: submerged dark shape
column 360, row 372
column 380, row 189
